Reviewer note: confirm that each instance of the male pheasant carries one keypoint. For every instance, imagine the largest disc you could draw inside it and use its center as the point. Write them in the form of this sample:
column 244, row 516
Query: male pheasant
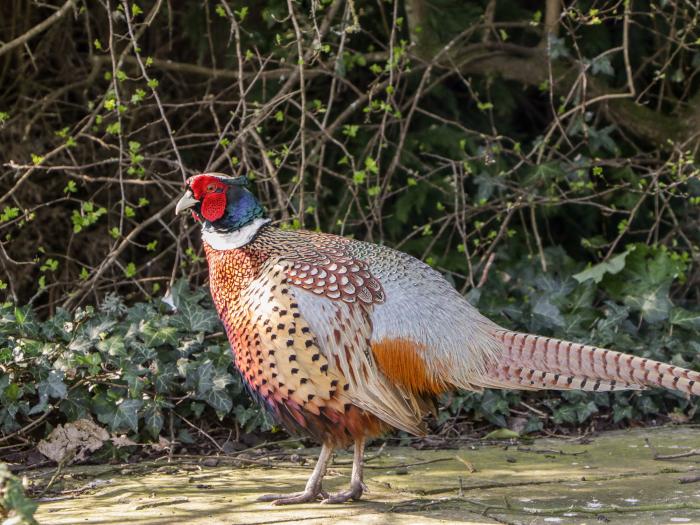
column 342, row 339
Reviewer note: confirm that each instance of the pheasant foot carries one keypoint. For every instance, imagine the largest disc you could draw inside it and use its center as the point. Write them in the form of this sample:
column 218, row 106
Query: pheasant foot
column 354, row 493
column 357, row 487
column 313, row 490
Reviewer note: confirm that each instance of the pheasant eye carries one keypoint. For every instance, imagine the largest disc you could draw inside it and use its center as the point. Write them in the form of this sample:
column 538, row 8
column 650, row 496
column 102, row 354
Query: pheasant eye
column 211, row 187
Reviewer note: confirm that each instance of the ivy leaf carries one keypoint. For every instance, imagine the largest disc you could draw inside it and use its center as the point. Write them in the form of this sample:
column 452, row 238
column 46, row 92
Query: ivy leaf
column 184, row 436
column 134, row 379
column 14, row 501
column 494, row 406
column 246, row 417
column 621, row 412
column 219, row 400
column 205, row 377
column 544, row 174
column 602, row 65
column 557, row 46
column 486, row 186
column 242, row 415
column 154, row 335
column 533, row 425
column 647, row 406
column 97, row 328
column 597, row 272
column 601, row 139
column 52, row 386
column 585, row 411
column 685, row 318
column 191, row 317
column 139, row 352
column 91, row 360
column 126, row 415
column 76, row 405
column 165, row 378
column 211, row 387
column 654, row 305
column 565, row 414
column 548, row 312
column 153, row 419
column 114, row 346
column 646, row 280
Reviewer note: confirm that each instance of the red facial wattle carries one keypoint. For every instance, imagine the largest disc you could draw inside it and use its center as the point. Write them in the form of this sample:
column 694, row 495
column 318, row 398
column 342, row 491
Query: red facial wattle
column 213, row 206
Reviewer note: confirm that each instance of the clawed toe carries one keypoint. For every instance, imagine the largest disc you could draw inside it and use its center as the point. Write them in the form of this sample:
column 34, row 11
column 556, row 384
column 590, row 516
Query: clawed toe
column 295, row 497
column 273, row 497
column 354, row 493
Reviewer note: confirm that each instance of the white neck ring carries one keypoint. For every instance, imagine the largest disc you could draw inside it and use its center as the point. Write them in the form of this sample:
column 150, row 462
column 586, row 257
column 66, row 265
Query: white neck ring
column 234, row 239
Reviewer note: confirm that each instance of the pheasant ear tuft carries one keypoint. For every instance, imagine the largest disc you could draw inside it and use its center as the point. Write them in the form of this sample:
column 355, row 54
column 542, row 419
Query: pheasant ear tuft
column 242, row 180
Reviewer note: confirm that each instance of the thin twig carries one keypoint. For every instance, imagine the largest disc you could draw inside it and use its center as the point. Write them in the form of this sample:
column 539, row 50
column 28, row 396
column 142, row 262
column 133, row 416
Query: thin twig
column 626, row 45
column 154, row 90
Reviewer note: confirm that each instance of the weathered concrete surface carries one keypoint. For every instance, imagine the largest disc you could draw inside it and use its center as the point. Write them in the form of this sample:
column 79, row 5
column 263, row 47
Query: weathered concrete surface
column 613, row 479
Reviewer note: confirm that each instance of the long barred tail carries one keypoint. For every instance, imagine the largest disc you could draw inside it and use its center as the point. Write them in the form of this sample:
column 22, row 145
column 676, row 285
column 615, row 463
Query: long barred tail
column 533, row 362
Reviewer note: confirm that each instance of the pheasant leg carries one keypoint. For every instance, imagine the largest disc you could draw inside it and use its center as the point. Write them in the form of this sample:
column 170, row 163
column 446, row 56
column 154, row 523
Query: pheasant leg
column 357, row 487
column 313, row 490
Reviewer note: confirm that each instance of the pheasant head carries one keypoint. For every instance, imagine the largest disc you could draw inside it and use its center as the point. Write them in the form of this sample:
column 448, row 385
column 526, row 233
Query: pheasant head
column 230, row 214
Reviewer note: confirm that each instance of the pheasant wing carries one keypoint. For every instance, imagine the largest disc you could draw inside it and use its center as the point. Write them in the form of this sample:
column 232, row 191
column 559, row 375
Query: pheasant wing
column 343, row 331
column 323, row 265
column 286, row 357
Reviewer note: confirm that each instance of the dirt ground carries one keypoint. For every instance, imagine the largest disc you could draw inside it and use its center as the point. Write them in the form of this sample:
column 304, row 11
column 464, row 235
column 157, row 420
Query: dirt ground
column 613, row 478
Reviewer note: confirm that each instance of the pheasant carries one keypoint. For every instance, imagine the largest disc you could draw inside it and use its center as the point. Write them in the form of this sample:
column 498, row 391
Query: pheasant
column 342, row 339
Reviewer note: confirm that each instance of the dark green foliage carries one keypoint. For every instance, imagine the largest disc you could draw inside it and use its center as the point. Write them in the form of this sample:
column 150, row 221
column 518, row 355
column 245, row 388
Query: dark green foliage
column 15, row 507
column 127, row 367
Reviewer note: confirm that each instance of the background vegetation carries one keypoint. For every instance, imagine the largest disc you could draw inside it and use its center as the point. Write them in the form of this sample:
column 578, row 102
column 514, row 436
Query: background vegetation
column 542, row 155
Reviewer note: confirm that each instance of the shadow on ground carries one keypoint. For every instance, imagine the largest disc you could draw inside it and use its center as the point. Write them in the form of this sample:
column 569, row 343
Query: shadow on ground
column 612, row 479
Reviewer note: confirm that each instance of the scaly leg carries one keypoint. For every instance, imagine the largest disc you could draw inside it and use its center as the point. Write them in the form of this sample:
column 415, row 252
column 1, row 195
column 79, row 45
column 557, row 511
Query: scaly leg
column 313, row 489
column 357, row 487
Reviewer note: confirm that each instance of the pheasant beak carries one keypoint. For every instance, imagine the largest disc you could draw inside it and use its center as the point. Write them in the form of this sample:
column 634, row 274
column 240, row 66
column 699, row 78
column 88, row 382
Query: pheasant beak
column 185, row 202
